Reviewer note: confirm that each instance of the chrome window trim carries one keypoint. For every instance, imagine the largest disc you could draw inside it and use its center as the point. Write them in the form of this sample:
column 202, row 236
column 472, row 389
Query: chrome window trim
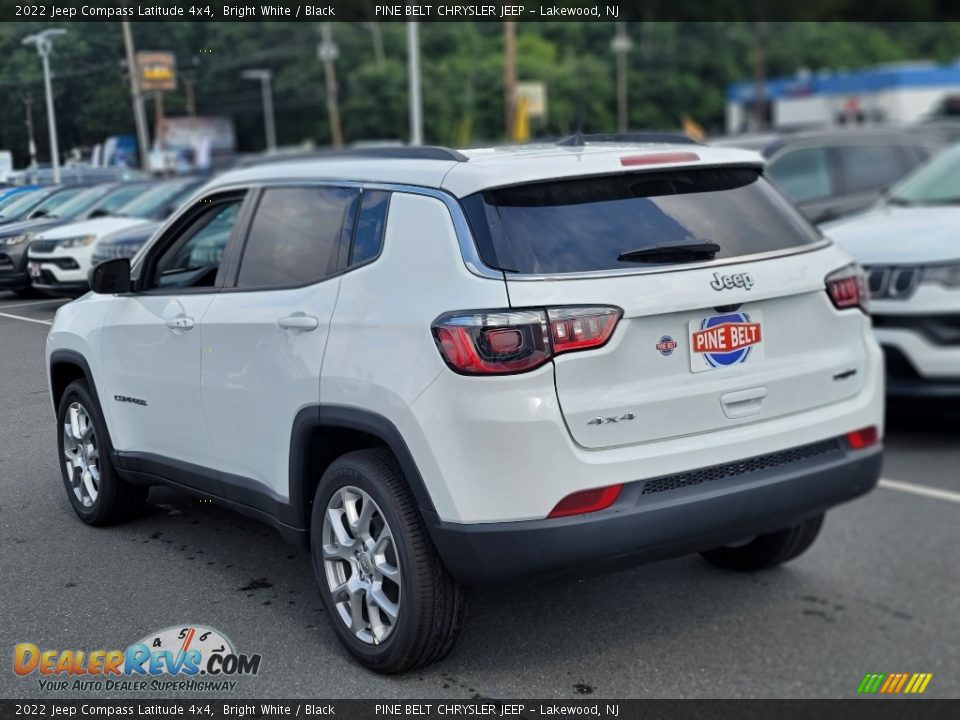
column 468, row 248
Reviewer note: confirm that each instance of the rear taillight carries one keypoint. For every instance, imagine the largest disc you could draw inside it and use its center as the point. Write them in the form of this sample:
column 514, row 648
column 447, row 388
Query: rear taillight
column 501, row 342
column 847, row 288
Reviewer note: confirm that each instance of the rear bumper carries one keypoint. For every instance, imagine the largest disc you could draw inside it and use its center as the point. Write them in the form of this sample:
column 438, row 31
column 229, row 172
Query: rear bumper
column 671, row 521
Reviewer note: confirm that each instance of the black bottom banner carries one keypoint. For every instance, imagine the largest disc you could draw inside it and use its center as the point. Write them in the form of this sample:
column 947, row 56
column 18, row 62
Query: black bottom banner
column 874, row 709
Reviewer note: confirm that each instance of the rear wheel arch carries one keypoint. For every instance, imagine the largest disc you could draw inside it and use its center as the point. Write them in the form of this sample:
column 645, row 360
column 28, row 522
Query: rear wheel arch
column 323, row 433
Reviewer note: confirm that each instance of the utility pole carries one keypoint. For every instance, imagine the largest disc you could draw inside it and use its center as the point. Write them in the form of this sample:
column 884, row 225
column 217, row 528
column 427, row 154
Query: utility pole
column 377, row 36
column 31, row 143
column 413, row 72
column 189, row 81
column 266, row 92
column 509, row 75
column 621, row 46
column 329, row 52
column 43, row 41
column 759, row 69
column 139, row 116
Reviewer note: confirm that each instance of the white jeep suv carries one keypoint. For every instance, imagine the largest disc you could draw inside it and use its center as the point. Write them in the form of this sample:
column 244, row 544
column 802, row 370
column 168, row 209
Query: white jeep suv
column 438, row 369
column 908, row 246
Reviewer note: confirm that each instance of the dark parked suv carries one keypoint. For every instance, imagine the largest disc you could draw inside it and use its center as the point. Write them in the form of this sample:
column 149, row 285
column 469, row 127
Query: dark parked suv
column 832, row 173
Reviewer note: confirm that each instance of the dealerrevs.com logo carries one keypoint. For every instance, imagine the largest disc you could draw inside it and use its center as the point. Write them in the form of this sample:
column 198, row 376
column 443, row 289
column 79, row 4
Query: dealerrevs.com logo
column 184, row 658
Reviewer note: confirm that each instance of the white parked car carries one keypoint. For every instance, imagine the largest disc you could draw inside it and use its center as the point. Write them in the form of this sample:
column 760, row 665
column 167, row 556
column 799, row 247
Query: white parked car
column 437, row 369
column 60, row 259
column 908, row 245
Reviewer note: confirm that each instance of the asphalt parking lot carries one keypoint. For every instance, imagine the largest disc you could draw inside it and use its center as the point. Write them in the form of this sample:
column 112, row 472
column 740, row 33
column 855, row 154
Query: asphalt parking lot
column 878, row 592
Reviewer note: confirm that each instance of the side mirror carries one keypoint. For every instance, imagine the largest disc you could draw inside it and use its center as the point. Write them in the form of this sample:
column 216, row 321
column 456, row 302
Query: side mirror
column 111, row 277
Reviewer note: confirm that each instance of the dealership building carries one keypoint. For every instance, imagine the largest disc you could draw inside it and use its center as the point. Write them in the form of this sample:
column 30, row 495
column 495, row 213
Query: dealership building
column 895, row 93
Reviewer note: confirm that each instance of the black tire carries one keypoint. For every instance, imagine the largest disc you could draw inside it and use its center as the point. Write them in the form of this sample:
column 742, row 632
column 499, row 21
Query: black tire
column 767, row 551
column 26, row 292
column 117, row 500
column 431, row 603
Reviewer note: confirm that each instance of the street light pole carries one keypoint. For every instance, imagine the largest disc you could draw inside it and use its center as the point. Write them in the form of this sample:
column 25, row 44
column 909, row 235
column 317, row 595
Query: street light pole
column 621, row 46
column 266, row 90
column 44, row 44
column 413, row 71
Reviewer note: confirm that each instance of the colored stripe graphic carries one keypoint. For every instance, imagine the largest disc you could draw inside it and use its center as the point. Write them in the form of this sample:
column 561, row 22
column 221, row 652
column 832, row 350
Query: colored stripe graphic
column 894, row 683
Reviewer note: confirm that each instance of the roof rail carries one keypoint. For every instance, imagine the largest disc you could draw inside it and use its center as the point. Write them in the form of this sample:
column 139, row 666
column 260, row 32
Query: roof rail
column 644, row 138
column 390, row 152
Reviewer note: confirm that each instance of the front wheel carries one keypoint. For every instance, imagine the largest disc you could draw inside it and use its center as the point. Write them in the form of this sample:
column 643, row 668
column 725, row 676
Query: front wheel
column 767, row 551
column 96, row 492
column 386, row 592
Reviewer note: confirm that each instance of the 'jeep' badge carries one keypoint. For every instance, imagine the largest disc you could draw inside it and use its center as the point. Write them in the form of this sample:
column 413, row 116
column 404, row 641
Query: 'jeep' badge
column 729, row 282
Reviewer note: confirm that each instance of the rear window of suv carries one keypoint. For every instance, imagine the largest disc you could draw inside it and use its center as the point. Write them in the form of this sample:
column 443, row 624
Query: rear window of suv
column 584, row 224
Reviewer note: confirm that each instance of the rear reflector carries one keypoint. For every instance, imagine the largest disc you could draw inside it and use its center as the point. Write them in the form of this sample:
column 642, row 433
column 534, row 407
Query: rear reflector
column 586, row 501
column 658, row 159
column 863, row 438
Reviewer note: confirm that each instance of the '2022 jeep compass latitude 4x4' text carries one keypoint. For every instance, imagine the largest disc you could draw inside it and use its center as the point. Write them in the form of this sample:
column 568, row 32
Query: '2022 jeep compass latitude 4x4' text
column 439, row 368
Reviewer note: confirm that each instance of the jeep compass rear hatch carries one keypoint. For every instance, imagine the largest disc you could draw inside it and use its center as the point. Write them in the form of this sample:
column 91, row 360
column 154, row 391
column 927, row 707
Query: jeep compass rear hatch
column 725, row 319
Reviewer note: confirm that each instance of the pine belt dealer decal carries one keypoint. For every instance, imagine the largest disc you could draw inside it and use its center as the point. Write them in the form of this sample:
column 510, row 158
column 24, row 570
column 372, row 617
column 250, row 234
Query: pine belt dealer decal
column 725, row 340
column 666, row 345
column 190, row 658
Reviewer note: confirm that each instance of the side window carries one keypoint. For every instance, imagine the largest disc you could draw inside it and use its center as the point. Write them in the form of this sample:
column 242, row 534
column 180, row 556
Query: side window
column 368, row 235
column 296, row 235
column 193, row 258
column 803, row 174
column 869, row 167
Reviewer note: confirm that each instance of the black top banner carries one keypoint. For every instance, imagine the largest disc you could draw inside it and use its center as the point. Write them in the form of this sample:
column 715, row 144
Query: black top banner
column 486, row 709
column 485, row 10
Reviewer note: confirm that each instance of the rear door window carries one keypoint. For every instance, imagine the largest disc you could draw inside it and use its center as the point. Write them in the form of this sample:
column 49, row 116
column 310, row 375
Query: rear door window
column 296, row 236
column 585, row 224
column 803, row 174
column 868, row 167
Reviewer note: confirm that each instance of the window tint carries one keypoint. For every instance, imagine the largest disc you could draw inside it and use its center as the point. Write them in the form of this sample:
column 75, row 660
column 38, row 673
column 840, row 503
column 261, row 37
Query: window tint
column 296, row 235
column 54, row 201
column 803, row 174
column 120, row 197
column 869, row 167
column 194, row 258
column 585, row 224
column 368, row 235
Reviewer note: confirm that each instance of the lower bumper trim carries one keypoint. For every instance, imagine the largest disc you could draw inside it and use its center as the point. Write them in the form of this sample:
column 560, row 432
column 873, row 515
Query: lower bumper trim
column 645, row 528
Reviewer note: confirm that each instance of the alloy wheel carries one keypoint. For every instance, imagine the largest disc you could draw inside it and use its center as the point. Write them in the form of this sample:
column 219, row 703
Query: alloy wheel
column 362, row 565
column 81, row 455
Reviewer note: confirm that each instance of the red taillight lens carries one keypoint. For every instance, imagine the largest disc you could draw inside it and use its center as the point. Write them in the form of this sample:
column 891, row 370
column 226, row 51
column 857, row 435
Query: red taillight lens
column 586, row 501
column 847, row 288
column 863, row 438
column 500, row 342
column 581, row 328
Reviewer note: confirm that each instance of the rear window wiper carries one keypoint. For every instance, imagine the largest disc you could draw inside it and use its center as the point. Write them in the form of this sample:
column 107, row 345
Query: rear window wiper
column 673, row 252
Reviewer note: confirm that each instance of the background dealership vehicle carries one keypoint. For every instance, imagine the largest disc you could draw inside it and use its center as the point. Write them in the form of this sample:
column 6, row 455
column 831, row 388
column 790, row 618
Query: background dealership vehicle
column 439, row 368
column 59, row 259
column 908, row 246
column 832, row 173
column 123, row 243
column 39, row 203
column 15, row 237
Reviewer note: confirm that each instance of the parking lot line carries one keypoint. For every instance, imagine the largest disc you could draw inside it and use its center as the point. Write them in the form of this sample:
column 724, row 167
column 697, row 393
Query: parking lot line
column 33, row 302
column 924, row 490
column 26, row 319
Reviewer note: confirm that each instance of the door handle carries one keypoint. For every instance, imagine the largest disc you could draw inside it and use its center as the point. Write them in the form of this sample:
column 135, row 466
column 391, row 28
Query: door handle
column 298, row 321
column 181, row 322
